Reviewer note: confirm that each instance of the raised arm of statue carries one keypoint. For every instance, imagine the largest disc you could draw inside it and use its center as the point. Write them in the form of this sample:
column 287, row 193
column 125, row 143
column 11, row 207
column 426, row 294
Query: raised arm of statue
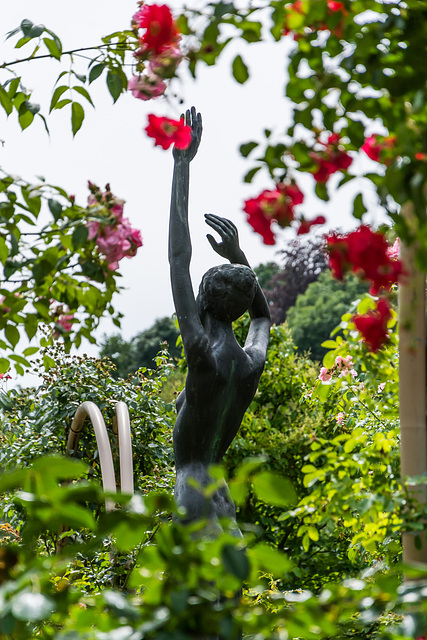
column 179, row 238
column 229, row 248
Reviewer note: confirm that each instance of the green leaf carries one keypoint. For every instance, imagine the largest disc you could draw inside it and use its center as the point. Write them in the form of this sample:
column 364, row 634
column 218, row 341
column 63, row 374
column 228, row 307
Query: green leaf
column 274, row 489
column 235, row 561
column 251, row 31
column 321, row 191
column 63, row 103
column 31, row 325
column 21, row 42
column 245, row 149
column 29, row 351
column 12, row 334
column 306, row 542
column 5, row 101
column 77, row 116
column 96, row 71
column 59, row 467
column 80, row 235
column 12, row 479
column 114, row 84
column 240, row 70
column 346, row 178
column 45, row 123
column 21, row 360
column 93, row 271
column 358, row 207
column 329, row 344
column 313, row 533
column 55, row 208
column 4, row 365
column 251, row 173
column 4, row 251
column 56, row 95
column 270, row 560
column 25, row 117
column 53, row 48
column 84, row 93
column 48, row 362
column 80, row 77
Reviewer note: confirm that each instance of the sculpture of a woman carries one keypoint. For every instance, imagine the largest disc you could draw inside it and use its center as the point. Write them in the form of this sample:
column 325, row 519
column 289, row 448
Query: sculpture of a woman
column 222, row 376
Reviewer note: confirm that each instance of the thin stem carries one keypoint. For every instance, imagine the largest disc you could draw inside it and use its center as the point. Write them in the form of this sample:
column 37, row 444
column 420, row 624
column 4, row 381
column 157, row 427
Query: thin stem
column 365, row 406
column 48, row 55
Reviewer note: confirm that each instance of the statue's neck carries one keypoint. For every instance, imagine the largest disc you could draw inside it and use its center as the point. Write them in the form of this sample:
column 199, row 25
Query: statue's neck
column 218, row 330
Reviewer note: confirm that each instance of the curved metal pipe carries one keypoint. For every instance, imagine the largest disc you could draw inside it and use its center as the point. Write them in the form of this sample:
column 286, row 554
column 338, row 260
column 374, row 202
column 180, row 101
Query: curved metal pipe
column 105, row 457
column 125, row 448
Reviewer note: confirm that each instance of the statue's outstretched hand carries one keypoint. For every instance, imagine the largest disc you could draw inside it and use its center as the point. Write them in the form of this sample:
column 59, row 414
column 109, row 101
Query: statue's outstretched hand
column 193, row 120
column 229, row 248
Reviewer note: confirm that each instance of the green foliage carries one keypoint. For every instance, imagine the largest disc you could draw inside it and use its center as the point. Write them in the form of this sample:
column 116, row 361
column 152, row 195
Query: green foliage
column 181, row 581
column 141, row 351
column 337, row 443
column 108, row 55
column 37, row 422
column 317, row 311
column 48, row 271
column 265, row 271
column 319, row 500
column 346, row 72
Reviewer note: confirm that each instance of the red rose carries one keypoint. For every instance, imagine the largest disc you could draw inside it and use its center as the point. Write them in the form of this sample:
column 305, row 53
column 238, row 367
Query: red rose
column 373, row 325
column 331, row 159
column 305, row 225
column 378, row 148
column 161, row 30
column 273, row 205
column 366, row 253
column 166, row 132
column 335, row 6
column 338, row 255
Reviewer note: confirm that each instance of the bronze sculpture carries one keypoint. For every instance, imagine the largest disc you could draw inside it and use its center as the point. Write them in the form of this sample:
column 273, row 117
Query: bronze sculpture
column 222, row 376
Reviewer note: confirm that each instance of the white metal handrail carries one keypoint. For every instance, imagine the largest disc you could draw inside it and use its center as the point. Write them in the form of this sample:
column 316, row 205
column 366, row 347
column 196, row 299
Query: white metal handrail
column 90, row 410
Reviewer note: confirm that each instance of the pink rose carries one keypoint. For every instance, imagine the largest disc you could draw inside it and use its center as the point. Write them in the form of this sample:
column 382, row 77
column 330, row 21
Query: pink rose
column 146, row 87
column 66, row 321
column 166, row 63
column 324, row 375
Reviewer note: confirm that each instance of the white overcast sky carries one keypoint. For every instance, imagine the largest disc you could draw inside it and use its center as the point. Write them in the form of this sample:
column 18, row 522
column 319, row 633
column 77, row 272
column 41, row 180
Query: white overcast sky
column 112, row 147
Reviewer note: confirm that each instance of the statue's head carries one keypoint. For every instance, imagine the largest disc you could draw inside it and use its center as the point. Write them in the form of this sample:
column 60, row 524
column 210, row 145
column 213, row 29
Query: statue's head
column 226, row 291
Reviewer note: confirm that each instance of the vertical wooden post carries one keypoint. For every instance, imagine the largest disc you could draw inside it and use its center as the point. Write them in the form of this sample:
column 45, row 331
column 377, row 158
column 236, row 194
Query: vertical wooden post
column 412, row 382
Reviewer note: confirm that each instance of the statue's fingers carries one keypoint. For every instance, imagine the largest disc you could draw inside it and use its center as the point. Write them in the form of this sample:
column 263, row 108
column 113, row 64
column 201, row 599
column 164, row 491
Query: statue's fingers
column 188, row 117
column 214, row 244
column 199, row 124
column 216, row 223
column 230, row 225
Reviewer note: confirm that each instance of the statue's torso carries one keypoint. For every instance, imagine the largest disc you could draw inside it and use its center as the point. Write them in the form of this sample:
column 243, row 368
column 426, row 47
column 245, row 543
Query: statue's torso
column 212, row 405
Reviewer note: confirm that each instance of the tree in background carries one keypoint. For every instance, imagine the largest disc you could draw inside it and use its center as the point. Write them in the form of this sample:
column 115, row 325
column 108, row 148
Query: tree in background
column 302, row 263
column 141, row 350
column 265, row 272
column 315, row 313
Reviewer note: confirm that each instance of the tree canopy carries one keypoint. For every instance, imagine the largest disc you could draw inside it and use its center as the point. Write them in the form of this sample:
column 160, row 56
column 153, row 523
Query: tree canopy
column 142, row 349
column 314, row 315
